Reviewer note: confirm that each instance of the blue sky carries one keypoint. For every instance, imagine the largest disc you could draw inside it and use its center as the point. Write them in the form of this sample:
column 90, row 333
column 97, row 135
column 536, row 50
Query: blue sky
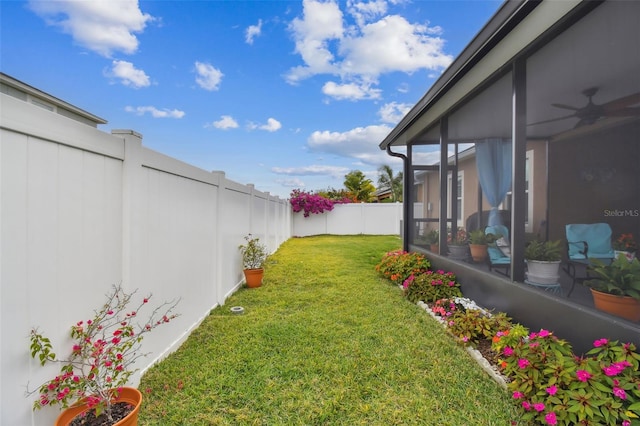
column 281, row 94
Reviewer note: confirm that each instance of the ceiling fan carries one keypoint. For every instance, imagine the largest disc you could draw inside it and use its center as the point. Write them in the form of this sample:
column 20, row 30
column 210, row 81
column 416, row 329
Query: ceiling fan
column 590, row 113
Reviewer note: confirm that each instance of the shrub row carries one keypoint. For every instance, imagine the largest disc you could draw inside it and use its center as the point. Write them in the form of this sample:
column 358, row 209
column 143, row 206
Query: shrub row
column 549, row 383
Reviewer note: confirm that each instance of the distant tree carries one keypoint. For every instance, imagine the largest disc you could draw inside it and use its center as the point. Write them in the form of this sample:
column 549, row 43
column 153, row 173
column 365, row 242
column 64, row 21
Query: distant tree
column 359, row 186
column 339, row 195
column 387, row 180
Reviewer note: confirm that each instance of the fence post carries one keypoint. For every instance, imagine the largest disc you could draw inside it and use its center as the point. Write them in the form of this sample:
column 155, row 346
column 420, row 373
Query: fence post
column 131, row 170
column 216, row 262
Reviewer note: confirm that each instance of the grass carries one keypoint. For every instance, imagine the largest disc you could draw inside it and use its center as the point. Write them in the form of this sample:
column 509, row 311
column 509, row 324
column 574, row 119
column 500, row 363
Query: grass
column 324, row 341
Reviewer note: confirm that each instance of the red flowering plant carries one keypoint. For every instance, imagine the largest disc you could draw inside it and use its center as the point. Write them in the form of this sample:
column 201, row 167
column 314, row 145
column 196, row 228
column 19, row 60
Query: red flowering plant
column 461, row 238
column 625, row 242
column 431, row 286
column 552, row 386
column 399, row 265
column 104, row 350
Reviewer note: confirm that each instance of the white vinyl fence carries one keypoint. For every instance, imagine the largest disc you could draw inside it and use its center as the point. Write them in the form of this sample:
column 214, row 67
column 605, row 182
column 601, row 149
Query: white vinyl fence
column 351, row 219
column 82, row 210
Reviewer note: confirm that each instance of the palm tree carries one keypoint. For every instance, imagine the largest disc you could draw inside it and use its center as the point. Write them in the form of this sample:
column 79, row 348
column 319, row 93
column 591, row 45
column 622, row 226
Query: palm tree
column 387, row 180
column 359, row 186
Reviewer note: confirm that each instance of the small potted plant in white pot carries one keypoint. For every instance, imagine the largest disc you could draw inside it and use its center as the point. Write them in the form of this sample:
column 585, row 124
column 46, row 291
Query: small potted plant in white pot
column 254, row 254
column 91, row 385
column 543, row 261
column 458, row 244
column 616, row 286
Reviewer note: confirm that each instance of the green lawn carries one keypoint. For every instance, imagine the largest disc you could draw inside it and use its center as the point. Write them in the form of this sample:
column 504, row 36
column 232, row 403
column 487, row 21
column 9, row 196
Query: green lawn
column 324, row 341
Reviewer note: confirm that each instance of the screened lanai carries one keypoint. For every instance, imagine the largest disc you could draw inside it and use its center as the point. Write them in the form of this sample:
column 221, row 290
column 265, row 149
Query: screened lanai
column 535, row 125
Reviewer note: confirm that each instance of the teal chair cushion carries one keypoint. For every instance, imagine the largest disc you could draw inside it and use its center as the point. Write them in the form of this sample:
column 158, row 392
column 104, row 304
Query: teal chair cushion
column 596, row 235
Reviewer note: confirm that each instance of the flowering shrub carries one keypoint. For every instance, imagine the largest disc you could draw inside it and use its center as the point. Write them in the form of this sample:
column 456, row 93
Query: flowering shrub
column 473, row 325
column 104, row 349
column 312, row 203
column 431, row 286
column 461, row 237
column 625, row 242
column 552, row 386
column 399, row 265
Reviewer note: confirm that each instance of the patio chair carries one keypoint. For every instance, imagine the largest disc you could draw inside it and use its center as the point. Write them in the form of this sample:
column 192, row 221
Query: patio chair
column 499, row 252
column 586, row 241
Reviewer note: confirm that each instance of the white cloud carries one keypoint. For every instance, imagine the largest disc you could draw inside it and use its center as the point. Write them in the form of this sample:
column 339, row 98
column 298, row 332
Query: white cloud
column 252, row 32
column 360, row 143
column 313, row 170
column 393, row 112
column 225, row 122
column 129, row 75
column 208, row 77
column 291, row 183
column 101, row 26
column 360, row 52
column 155, row 112
column 321, row 23
column 272, row 125
column 350, row 91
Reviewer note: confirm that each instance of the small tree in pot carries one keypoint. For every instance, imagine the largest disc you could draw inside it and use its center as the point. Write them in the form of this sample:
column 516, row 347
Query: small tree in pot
column 543, row 261
column 254, row 254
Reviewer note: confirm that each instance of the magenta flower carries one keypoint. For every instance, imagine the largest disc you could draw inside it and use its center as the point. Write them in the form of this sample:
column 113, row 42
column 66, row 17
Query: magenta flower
column 551, row 418
column 600, row 342
column 508, row 351
column 583, row 375
column 538, row 407
column 544, row 333
column 551, row 390
column 523, row 363
column 620, row 393
column 526, row 405
column 518, row 395
column 626, row 423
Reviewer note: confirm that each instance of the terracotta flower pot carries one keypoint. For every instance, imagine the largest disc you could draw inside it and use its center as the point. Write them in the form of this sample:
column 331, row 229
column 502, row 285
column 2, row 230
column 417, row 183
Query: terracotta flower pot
column 479, row 252
column 622, row 306
column 435, row 248
column 253, row 277
column 127, row 394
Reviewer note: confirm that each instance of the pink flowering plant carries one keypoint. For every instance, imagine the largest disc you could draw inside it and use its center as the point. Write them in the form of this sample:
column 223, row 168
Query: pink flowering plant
column 102, row 354
column 309, row 203
column 431, row 286
column 552, row 386
column 399, row 265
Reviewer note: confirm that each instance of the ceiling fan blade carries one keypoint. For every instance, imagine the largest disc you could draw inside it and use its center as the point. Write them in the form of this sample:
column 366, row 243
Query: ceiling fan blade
column 623, row 112
column 565, row 107
column 622, row 102
column 552, row 120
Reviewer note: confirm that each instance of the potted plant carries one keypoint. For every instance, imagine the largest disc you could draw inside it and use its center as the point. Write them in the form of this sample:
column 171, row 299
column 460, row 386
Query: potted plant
column 254, row 254
column 458, row 244
column 543, row 261
column 616, row 286
column 626, row 245
column 433, row 239
column 478, row 243
column 93, row 377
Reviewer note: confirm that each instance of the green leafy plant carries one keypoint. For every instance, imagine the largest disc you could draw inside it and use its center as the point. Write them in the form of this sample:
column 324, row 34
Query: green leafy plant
column 431, row 286
column 398, row 265
column 621, row 277
column 552, row 386
column 479, row 237
column 104, row 350
column 473, row 325
column 432, row 237
column 254, row 253
column 546, row 251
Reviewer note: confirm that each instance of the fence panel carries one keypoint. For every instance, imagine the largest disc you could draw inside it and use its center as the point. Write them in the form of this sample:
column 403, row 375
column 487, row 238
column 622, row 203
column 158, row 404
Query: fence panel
column 350, row 219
